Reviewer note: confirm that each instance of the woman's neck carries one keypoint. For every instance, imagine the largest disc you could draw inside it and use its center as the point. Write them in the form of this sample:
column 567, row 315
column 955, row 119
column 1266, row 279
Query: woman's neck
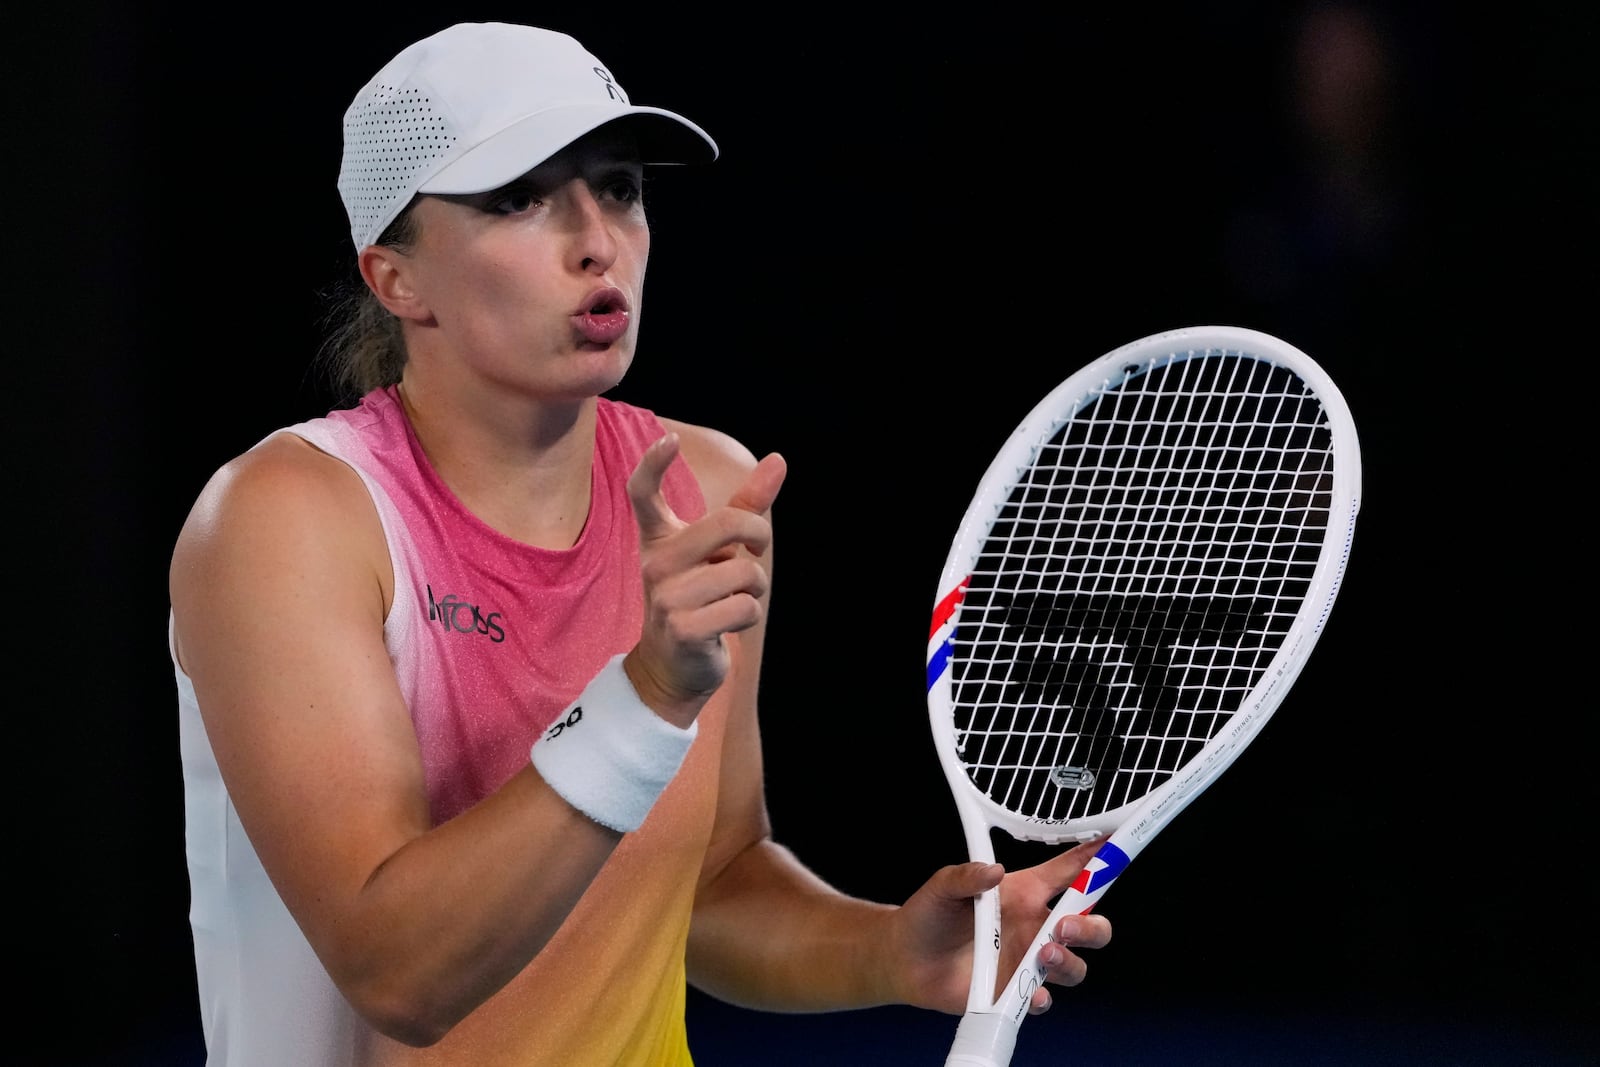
column 522, row 467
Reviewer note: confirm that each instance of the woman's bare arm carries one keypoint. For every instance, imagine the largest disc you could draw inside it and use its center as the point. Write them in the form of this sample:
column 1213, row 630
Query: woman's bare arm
column 279, row 585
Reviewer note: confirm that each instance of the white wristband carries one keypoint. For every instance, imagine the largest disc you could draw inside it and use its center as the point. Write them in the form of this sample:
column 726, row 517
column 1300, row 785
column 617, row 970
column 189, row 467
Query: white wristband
column 608, row 754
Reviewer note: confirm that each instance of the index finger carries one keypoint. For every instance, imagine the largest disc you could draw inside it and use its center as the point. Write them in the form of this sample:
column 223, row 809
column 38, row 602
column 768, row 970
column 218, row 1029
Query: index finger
column 1061, row 870
column 650, row 508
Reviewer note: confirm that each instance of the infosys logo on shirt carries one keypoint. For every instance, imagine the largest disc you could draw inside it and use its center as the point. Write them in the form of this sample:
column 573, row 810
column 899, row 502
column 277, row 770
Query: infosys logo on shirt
column 458, row 616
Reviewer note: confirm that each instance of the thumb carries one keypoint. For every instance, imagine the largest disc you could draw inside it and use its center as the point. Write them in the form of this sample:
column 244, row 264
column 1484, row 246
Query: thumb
column 650, row 508
column 963, row 881
column 761, row 486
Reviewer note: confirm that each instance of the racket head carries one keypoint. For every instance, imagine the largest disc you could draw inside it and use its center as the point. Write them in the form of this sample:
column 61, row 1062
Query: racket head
column 1055, row 714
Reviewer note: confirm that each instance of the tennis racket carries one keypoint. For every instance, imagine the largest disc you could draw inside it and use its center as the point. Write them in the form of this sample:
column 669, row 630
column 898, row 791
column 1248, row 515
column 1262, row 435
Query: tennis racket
column 1140, row 576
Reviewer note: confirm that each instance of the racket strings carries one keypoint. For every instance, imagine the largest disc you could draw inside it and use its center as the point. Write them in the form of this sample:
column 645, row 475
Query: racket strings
column 1138, row 581
column 1168, row 432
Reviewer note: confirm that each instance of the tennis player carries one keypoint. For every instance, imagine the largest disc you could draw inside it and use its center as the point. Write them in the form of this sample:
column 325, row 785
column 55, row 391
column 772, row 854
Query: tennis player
column 467, row 670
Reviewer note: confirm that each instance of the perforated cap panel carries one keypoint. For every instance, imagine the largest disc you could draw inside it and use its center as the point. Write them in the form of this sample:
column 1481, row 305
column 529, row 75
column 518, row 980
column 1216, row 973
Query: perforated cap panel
column 390, row 139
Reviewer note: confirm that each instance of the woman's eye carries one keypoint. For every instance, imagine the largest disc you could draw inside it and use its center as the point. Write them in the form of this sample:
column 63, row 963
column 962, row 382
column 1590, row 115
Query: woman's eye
column 625, row 190
column 514, row 202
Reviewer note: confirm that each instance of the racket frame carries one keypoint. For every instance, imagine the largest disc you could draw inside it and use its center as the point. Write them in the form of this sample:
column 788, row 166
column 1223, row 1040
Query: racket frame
column 986, row 1036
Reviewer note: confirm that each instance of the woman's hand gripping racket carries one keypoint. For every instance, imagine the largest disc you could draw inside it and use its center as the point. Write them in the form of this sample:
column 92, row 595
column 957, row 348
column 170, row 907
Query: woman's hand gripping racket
column 1139, row 578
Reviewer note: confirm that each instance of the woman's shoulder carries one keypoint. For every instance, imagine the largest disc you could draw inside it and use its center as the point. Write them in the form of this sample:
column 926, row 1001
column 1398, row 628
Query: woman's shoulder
column 282, row 488
column 283, row 466
column 720, row 461
column 282, row 519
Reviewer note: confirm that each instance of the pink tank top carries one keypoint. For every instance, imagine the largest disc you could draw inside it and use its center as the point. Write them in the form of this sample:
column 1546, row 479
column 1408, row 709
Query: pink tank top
column 490, row 639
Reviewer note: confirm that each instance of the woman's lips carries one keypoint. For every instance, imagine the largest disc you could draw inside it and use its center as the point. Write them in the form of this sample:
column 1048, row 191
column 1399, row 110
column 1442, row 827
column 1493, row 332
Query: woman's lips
column 604, row 317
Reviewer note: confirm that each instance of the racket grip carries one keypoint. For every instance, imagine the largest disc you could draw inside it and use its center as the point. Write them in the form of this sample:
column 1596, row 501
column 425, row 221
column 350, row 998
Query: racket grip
column 984, row 1039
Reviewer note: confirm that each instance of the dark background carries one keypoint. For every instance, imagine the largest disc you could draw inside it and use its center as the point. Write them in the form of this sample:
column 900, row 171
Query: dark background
column 920, row 223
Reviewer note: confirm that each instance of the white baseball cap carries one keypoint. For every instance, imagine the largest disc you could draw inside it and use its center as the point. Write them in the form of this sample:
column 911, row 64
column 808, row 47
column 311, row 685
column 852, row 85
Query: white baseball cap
column 477, row 105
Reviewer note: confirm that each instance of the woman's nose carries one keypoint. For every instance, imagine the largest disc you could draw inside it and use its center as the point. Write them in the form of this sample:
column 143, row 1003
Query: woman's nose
column 594, row 242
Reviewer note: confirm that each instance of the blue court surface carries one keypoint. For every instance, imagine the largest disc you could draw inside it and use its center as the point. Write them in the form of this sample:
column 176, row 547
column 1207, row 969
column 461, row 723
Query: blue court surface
column 1156, row 1036
column 1084, row 1030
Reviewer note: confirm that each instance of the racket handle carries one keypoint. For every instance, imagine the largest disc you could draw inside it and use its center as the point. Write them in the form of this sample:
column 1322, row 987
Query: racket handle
column 984, row 1039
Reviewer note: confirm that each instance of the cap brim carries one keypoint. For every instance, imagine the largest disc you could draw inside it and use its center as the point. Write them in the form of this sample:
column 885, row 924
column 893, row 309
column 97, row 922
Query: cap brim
column 663, row 137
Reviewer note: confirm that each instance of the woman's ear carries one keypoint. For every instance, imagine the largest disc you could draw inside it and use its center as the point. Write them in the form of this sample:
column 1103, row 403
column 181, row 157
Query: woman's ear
column 387, row 273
